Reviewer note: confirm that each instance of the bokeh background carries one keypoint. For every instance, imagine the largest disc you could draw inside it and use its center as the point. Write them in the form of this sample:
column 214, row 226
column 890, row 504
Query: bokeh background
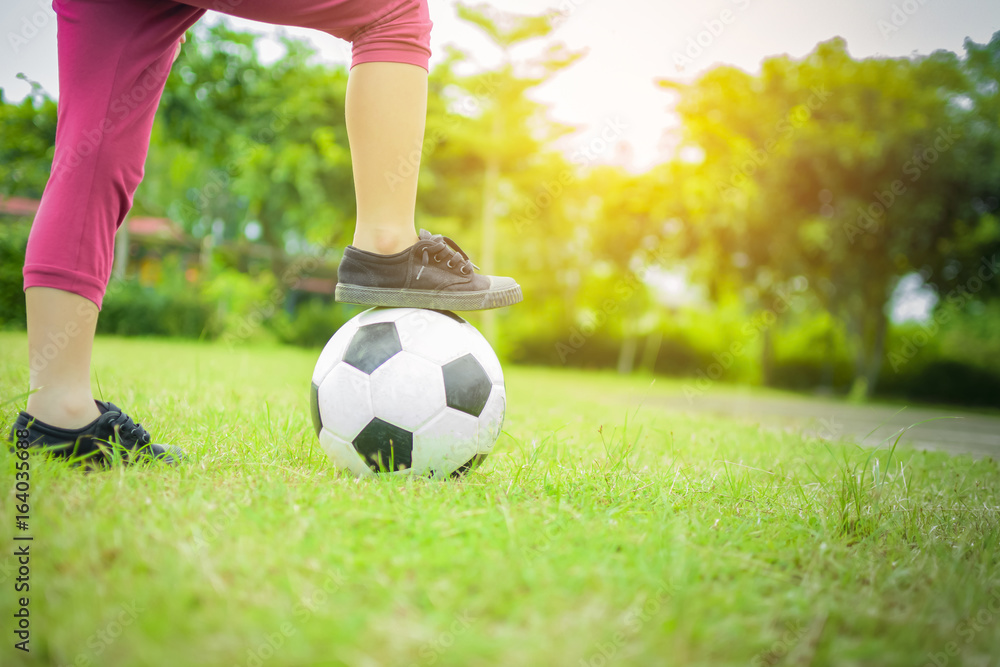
column 782, row 194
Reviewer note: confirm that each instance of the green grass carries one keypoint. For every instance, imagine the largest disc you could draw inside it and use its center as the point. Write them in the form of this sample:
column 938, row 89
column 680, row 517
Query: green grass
column 600, row 532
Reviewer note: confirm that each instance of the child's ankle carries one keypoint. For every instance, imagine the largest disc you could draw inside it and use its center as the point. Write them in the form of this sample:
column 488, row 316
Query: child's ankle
column 62, row 410
column 384, row 241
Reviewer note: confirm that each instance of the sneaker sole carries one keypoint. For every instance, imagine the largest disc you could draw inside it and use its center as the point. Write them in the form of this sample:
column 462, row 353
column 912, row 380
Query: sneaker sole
column 411, row 298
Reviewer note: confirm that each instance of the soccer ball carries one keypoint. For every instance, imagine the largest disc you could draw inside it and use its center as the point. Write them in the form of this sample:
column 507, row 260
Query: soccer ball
column 407, row 391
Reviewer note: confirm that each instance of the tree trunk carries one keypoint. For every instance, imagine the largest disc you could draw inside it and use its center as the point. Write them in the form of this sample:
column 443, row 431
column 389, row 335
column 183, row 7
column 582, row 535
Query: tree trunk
column 871, row 327
column 767, row 357
column 859, row 386
column 827, row 371
column 877, row 351
column 626, row 355
column 491, row 184
column 651, row 350
column 121, row 253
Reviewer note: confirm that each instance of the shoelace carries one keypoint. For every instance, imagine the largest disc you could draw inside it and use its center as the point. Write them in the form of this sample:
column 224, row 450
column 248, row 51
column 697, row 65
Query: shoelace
column 443, row 245
column 127, row 428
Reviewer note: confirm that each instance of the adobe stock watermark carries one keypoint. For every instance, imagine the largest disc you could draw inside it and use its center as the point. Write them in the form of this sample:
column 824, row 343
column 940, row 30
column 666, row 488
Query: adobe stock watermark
column 564, row 10
column 298, row 269
column 219, row 520
column 967, row 630
column 271, row 643
column 58, row 341
column 872, row 216
column 781, row 647
column 749, row 333
column 586, row 154
column 146, row 87
column 697, row 44
column 219, row 179
column 796, row 118
column 899, row 16
column 102, row 639
column 431, row 651
column 954, row 302
column 408, row 165
column 548, row 535
column 624, row 289
column 828, row 429
column 31, row 25
column 637, row 616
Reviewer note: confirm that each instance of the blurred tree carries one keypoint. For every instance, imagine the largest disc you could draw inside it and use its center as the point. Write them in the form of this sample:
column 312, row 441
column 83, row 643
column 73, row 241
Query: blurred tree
column 456, row 149
column 627, row 236
column 971, row 254
column 504, row 136
column 27, row 138
column 838, row 174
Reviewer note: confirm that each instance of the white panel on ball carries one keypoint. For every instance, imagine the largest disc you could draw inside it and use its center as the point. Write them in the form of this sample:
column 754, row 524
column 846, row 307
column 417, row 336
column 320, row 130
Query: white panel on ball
column 343, row 455
column 407, row 391
column 334, row 349
column 480, row 347
column 445, row 443
column 432, row 335
column 345, row 401
column 491, row 419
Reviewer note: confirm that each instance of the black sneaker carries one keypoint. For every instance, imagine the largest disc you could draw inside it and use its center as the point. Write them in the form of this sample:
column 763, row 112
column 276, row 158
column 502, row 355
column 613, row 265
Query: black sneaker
column 432, row 273
column 98, row 443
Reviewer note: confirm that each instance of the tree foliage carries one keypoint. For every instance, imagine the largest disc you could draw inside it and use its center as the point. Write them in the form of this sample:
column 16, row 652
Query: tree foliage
column 848, row 174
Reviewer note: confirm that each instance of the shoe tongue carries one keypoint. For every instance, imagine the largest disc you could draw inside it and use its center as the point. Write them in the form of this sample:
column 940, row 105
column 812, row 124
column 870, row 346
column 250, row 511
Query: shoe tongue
column 103, row 407
column 425, row 235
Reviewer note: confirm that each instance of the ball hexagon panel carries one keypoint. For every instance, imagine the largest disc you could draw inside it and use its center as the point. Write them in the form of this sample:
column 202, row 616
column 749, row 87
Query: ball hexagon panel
column 466, row 385
column 445, row 443
column 343, row 455
column 345, row 401
column 480, row 347
column 384, row 446
column 372, row 346
column 491, row 419
column 435, row 335
column 333, row 351
column 407, row 391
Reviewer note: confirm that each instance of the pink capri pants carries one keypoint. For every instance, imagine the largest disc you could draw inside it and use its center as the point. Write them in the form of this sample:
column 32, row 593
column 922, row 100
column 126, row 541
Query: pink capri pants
column 114, row 58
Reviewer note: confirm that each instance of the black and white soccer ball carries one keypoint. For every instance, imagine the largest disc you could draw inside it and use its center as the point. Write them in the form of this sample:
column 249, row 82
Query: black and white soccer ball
column 407, row 391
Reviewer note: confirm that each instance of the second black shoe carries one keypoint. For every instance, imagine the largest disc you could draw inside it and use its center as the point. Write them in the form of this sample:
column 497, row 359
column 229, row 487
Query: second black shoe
column 111, row 436
column 432, row 273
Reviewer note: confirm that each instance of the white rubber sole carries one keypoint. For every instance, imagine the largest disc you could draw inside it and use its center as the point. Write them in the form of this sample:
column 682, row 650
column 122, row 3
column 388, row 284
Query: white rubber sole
column 437, row 300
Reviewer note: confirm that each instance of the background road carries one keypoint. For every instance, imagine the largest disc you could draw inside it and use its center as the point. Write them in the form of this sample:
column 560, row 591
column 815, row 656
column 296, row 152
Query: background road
column 953, row 430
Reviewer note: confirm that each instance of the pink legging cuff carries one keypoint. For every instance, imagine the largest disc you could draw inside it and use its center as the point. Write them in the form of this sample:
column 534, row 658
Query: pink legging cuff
column 396, row 55
column 68, row 280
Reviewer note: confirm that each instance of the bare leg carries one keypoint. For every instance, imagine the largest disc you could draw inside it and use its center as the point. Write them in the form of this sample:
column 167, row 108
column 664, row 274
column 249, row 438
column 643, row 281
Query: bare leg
column 60, row 338
column 386, row 109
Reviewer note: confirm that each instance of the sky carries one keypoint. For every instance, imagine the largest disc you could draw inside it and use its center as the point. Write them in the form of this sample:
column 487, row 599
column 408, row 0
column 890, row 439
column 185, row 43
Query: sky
column 629, row 43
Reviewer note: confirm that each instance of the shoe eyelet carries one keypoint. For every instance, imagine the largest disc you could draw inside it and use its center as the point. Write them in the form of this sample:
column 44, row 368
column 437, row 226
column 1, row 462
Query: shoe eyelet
column 463, row 271
column 448, row 264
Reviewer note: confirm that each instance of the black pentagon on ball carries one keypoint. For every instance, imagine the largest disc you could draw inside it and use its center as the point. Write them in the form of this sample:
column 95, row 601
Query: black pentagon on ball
column 466, row 385
column 314, row 407
column 372, row 346
column 469, row 465
column 384, row 446
column 454, row 316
